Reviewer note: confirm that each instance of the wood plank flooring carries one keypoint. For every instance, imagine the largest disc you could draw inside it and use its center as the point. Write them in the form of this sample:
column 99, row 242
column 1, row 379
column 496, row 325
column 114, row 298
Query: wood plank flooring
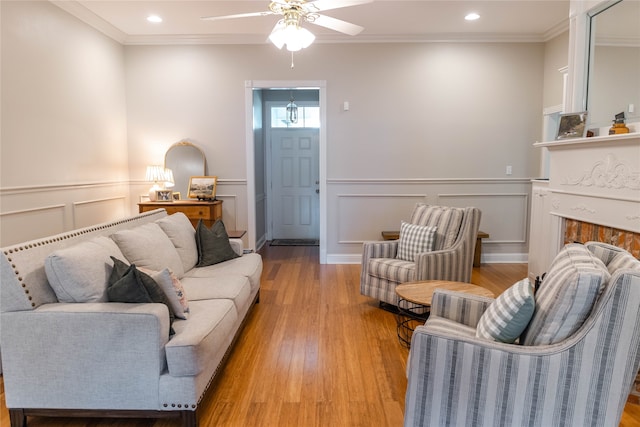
column 314, row 353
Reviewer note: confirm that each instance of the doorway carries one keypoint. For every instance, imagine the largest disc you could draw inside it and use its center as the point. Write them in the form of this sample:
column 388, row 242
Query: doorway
column 286, row 193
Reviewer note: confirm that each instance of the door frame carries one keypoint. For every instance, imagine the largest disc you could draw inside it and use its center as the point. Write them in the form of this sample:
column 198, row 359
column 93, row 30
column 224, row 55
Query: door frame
column 321, row 86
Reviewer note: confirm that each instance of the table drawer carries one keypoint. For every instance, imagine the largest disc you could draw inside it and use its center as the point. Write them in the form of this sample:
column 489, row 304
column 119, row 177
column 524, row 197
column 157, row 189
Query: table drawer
column 192, row 212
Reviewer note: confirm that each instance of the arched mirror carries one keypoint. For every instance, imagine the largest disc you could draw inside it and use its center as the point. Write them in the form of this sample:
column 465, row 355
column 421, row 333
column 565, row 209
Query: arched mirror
column 614, row 62
column 185, row 160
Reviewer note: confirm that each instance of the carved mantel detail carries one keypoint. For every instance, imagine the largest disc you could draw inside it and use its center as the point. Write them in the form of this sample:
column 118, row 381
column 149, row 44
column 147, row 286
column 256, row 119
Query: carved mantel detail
column 608, row 173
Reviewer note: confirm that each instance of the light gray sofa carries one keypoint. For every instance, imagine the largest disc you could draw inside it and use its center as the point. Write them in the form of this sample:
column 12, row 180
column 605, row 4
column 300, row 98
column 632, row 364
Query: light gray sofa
column 574, row 365
column 101, row 358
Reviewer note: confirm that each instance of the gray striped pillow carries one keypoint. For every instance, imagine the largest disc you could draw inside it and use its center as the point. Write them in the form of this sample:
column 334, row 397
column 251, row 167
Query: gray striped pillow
column 566, row 296
column 414, row 239
column 508, row 316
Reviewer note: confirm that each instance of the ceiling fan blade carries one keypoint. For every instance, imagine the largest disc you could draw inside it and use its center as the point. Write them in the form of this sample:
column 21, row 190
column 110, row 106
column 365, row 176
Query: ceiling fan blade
column 240, row 15
column 337, row 25
column 320, row 5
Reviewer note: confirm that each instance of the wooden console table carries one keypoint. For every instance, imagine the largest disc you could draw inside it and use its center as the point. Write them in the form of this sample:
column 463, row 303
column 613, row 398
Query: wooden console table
column 208, row 212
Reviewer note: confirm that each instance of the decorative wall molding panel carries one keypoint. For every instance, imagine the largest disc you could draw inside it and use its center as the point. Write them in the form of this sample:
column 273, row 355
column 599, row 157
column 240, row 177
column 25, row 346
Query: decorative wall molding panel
column 90, row 212
column 609, row 173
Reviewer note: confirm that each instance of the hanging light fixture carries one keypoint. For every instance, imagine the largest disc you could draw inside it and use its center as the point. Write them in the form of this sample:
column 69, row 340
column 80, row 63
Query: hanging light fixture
column 289, row 32
column 292, row 111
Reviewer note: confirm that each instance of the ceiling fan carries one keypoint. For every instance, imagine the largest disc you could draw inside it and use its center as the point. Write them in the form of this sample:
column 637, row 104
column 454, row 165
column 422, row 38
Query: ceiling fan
column 288, row 30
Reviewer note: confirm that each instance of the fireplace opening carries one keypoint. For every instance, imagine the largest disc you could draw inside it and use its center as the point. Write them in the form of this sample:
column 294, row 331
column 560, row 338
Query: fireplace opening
column 582, row 232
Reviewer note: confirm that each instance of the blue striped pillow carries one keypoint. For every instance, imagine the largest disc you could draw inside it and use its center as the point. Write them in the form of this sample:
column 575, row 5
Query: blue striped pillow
column 414, row 239
column 508, row 316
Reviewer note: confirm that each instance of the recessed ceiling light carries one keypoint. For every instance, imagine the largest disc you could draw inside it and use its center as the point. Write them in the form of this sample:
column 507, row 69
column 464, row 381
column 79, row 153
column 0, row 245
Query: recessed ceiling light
column 472, row 16
column 154, row 18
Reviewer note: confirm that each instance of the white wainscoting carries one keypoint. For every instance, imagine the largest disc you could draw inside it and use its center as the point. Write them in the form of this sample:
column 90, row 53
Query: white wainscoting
column 38, row 211
column 359, row 210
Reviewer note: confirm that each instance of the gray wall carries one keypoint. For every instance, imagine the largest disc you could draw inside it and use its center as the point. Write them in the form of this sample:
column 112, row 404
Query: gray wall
column 432, row 122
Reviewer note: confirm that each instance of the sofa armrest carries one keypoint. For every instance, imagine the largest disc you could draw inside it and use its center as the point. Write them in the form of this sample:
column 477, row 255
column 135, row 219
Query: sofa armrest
column 90, row 355
column 237, row 245
column 459, row 306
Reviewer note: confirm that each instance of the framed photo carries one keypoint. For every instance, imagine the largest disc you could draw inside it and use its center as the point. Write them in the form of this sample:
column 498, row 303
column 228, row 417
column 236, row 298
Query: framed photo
column 572, row 125
column 203, row 187
column 175, row 195
column 164, row 196
column 144, row 198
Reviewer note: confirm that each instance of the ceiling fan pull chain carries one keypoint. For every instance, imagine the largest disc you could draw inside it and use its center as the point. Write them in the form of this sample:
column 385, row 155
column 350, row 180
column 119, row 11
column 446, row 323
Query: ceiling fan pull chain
column 292, row 65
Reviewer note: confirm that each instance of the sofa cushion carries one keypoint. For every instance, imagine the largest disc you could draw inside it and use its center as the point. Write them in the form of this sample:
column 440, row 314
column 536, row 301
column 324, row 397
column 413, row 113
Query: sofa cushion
column 173, row 289
column 210, row 327
column 235, row 288
column 508, row 315
column 604, row 251
column 149, row 247
column 213, row 244
column 248, row 265
column 566, row 296
column 393, row 270
column 414, row 239
column 183, row 236
column 446, row 219
column 80, row 273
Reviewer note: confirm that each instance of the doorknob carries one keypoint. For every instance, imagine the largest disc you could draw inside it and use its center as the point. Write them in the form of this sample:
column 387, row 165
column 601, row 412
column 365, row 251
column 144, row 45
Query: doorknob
column 317, row 182
column 317, row 191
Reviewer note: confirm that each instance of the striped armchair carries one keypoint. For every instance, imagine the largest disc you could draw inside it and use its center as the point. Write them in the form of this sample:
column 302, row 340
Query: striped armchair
column 451, row 259
column 457, row 379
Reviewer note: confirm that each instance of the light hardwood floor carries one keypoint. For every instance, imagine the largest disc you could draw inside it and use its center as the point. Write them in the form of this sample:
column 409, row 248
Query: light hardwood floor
column 314, row 353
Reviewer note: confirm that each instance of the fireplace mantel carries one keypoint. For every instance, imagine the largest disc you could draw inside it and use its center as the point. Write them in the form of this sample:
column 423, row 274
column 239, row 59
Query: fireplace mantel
column 596, row 180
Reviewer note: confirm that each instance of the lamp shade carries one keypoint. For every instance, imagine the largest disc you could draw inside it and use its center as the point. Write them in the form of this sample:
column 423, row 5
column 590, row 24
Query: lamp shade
column 155, row 173
column 168, row 178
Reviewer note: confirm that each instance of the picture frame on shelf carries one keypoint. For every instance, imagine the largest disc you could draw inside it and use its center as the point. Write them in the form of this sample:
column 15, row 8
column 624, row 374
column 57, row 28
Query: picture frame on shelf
column 164, row 196
column 203, row 187
column 176, row 196
column 572, row 125
column 143, row 198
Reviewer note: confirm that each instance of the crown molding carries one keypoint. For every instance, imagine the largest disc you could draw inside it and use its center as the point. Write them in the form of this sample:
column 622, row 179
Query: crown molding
column 85, row 15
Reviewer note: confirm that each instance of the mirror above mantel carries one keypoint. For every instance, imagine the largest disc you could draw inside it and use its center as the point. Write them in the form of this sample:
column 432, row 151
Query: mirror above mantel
column 613, row 84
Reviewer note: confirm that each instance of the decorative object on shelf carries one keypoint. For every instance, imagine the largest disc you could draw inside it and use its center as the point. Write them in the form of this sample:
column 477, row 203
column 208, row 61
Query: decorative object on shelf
column 572, row 125
column 203, row 187
column 164, row 196
column 176, row 195
column 155, row 174
column 292, row 111
column 618, row 126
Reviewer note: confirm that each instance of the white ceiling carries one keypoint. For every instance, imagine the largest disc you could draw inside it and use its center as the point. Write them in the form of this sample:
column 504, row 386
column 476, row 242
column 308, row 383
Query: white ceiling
column 383, row 20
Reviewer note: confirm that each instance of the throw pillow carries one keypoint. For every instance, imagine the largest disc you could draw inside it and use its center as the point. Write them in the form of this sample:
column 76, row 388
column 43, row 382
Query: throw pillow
column 124, row 286
column 566, row 296
column 182, row 234
column 133, row 286
column 448, row 221
column 149, row 247
column 172, row 288
column 508, row 315
column 80, row 273
column 414, row 239
column 213, row 244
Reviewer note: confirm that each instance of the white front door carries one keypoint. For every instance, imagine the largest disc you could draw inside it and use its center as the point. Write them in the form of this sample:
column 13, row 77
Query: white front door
column 294, row 180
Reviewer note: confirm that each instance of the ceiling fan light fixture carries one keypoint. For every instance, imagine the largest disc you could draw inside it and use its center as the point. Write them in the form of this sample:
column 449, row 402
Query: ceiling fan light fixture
column 292, row 35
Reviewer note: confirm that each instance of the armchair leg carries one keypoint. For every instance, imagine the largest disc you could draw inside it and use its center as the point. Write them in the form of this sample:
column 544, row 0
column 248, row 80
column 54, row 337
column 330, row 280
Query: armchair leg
column 17, row 418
